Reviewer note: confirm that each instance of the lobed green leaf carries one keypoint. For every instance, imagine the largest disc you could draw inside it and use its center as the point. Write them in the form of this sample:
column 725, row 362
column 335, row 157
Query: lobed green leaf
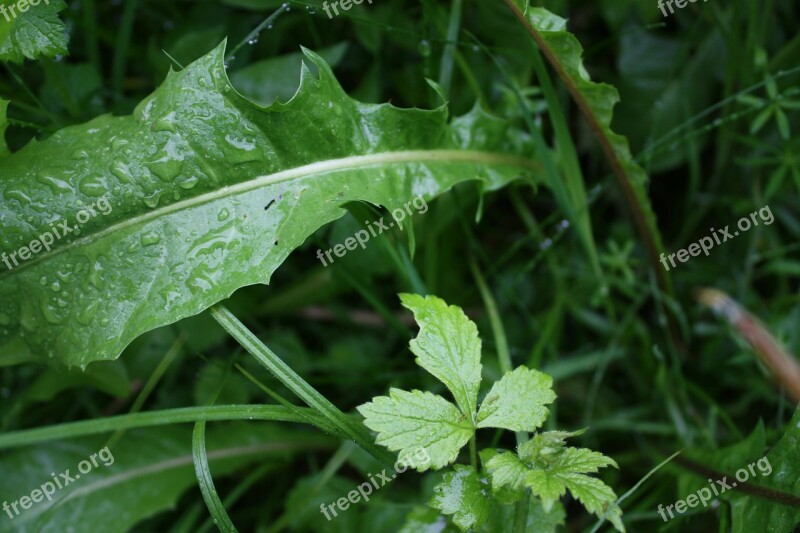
column 209, row 192
column 448, row 347
column 517, row 402
column 33, row 33
column 408, row 421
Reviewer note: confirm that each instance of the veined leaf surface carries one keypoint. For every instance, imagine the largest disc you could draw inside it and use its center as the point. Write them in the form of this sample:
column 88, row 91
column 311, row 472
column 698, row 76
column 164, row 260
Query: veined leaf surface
column 208, row 193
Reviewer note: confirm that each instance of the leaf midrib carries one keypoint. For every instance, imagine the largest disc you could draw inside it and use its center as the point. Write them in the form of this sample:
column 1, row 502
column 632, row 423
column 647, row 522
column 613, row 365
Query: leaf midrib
column 169, row 464
column 319, row 167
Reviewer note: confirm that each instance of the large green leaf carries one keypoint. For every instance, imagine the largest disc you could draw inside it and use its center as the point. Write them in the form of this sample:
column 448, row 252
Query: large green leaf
column 208, row 193
column 777, row 471
column 147, row 472
column 276, row 78
column 33, row 33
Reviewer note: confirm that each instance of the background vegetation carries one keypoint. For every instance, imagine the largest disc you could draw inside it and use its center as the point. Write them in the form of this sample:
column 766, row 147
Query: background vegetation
column 648, row 372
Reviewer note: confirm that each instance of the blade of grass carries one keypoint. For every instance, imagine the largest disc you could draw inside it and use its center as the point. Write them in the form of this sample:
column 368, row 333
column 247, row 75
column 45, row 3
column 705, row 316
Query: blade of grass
column 615, row 150
column 448, row 55
column 632, row 490
column 164, row 417
column 215, row 506
column 336, row 418
column 333, row 465
column 240, row 489
column 152, row 381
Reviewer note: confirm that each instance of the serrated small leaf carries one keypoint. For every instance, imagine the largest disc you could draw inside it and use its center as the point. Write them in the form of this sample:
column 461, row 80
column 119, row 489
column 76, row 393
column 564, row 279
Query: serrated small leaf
column 506, row 471
column 548, row 488
column 448, row 347
column 544, row 444
column 595, row 496
column 410, row 421
column 549, row 469
column 462, row 494
column 581, row 460
column 517, row 402
column 34, row 33
column 424, row 519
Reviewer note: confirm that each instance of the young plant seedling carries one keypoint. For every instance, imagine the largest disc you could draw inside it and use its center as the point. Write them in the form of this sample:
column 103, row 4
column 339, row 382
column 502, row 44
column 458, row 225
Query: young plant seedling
column 543, row 468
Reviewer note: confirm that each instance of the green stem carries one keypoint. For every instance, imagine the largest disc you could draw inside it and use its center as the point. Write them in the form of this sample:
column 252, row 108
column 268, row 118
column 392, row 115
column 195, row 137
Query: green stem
column 155, row 377
column 473, row 453
column 165, row 417
column 205, row 481
column 446, row 66
column 504, row 358
column 335, row 418
column 648, row 234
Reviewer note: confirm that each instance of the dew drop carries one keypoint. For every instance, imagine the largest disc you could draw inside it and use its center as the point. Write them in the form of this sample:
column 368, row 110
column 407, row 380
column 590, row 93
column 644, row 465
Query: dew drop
column 150, row 238
column 152, row 201
column 88, row 313
column 117, row 143
column 55, row 286
column 120, row 170
column 55, row 184
column 188, row 183
column 424, row 48
column 224, row 214
column 50, row 313
column 15, row 194
column 165, row 168
column 166, row 123
column 94, row 186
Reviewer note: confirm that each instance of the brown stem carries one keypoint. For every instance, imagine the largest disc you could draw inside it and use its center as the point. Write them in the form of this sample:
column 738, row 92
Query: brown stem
column 776, row 496
column 784, row 367
column 623, row 180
